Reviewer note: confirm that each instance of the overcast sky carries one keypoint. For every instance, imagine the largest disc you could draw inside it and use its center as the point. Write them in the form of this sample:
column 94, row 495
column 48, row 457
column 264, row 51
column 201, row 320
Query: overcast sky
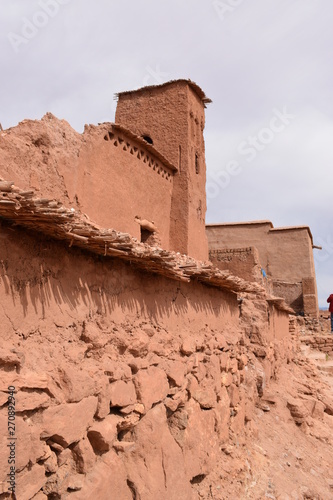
column 266, row 64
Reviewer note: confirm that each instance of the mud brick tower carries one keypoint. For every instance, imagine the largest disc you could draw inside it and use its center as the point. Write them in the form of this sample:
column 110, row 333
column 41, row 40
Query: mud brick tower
column 171, row 117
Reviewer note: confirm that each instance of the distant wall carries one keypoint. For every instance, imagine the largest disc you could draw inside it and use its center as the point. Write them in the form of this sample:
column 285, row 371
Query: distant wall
column 290, row 254
column 240, row 236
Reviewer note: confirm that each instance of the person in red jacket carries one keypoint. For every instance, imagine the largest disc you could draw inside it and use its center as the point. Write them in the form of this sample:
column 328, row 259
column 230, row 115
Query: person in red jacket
column 330, row 301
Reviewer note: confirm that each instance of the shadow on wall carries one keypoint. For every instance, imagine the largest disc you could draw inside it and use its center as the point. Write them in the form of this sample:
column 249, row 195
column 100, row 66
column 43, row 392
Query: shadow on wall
column 47, row 279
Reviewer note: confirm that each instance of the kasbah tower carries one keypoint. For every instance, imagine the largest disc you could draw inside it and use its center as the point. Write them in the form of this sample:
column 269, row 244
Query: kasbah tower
column 171, row 117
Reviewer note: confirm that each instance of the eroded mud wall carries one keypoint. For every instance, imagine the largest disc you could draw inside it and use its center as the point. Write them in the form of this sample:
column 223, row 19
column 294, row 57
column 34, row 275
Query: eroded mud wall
column 128, row 384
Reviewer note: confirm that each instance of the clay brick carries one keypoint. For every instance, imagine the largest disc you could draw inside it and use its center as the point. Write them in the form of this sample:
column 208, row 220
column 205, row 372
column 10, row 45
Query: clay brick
column 188, row 346
column 108, row 475
column 32, row 401
column 233, row 365
column 224, row 361
column 175, row 371
column 116, row 370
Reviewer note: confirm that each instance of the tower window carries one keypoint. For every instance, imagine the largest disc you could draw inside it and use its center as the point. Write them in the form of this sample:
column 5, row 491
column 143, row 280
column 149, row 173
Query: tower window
column 148, row 139
column 196, row 163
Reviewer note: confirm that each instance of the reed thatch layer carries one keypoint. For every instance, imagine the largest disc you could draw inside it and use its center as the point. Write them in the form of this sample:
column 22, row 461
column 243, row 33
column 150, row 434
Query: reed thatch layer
column 194, row 86
column 50, row 217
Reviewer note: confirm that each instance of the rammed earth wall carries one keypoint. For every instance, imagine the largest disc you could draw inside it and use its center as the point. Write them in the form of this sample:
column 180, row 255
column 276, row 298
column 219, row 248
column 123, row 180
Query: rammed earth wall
column 109, row 176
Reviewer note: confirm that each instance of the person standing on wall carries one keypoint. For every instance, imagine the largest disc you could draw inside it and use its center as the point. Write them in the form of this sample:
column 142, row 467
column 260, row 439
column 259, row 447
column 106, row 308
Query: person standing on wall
column 330, row 301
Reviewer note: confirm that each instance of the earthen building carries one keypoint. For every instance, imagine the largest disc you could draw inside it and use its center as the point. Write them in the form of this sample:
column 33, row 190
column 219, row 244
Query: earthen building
column 285, row 254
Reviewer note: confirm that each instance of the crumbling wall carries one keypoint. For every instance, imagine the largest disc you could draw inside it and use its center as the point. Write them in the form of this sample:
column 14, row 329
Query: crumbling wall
column 127, row 387
column 321, row 342
column 42, row 155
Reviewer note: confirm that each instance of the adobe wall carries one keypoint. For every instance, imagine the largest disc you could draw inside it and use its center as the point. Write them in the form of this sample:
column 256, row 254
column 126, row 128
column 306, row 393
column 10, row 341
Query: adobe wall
column 243, row 262
column 278, row 325
column 173, row 117
column 122, row 378
column 196, row 166
column 120, row 181
column 113, row 180
column 239, row 236
column 43, row 279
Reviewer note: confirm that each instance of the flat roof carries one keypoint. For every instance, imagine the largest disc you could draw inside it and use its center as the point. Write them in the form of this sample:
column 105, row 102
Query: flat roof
column 263, row 222
column 293, row 228
column 198, row 90
column 245, row 223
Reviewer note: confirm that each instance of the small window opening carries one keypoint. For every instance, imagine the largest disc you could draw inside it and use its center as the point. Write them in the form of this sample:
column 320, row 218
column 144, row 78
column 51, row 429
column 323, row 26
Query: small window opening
column 196, row 163
column 148, row 139
column 145, row 235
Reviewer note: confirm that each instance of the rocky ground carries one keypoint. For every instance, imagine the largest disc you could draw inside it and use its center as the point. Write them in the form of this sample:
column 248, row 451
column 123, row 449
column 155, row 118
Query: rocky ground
column 132, row 411
column 289, row 455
